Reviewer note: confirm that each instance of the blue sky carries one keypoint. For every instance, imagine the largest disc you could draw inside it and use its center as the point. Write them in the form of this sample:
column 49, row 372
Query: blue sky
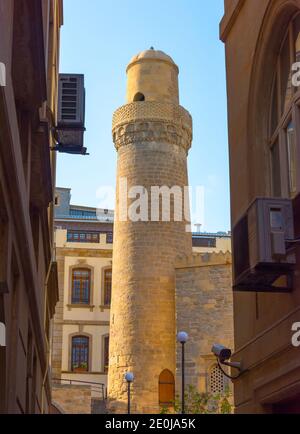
column 99, row 38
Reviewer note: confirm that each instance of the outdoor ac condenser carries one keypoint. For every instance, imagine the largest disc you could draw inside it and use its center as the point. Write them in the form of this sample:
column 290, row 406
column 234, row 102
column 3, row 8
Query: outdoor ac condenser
column 71, row 112
column 71, row 99
column 260, row 240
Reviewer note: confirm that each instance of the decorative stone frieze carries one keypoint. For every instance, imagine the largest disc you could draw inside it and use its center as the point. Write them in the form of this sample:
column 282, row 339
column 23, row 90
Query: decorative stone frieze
column 152, row 121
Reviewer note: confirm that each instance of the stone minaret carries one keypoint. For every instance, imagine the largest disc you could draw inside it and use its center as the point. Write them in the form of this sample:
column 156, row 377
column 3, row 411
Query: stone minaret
column 152, row 134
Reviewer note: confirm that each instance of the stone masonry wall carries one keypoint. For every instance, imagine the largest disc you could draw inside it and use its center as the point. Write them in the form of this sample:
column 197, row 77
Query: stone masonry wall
column 204, row 309
column 73, row 399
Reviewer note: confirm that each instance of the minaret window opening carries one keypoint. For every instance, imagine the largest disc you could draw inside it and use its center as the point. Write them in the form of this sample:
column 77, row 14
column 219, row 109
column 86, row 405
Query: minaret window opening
column 217, row 380
column 139, row 97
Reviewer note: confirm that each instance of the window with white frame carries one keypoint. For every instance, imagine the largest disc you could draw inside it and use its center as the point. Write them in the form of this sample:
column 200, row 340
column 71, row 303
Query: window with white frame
column 284, row 116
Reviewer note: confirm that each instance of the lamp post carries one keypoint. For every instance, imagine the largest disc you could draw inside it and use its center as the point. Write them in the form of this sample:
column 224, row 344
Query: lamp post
column 182, row 338
column 129, row 377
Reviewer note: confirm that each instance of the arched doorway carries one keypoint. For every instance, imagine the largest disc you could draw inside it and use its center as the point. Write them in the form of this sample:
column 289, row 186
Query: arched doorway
column 166, row 388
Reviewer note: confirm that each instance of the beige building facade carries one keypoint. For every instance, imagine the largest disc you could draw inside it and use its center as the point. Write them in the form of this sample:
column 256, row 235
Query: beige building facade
column 264, row 138
column 211, row 242
column 80, row 341
column 29, row 59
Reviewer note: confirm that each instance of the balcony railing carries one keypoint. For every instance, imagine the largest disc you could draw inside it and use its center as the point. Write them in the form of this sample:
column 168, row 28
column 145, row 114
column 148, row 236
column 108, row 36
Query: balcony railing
column 97, row 388
column 100, row 218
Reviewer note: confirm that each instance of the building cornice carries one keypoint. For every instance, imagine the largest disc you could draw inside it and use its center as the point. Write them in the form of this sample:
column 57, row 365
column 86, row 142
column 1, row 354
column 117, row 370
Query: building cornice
column 229, row 19
column 85, row 323
column 82, row 252
column 203, row 260
column 61, row 12
column 75, row 220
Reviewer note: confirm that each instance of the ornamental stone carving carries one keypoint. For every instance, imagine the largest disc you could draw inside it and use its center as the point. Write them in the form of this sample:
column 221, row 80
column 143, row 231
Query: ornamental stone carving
column 152, row 121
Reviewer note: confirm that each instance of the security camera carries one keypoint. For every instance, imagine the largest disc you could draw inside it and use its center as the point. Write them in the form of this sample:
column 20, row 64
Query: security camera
column 221, row 352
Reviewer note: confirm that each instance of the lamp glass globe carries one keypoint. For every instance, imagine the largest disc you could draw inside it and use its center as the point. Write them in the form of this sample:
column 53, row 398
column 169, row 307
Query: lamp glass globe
column 129, row 377
column 182, row 337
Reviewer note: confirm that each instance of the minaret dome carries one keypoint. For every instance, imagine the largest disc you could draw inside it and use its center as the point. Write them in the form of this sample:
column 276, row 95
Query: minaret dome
column 152, row 76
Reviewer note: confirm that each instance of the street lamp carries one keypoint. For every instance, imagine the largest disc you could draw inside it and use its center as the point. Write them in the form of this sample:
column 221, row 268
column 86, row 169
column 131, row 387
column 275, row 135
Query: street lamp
column 182, row 338
column 129, row 377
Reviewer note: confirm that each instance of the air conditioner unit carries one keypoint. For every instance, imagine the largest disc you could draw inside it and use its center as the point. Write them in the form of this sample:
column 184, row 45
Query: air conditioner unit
column 71, row 113
column 261, row 258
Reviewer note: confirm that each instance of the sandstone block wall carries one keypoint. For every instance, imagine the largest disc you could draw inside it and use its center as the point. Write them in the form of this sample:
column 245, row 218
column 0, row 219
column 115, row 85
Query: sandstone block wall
column 72, row 399
column 204, row 309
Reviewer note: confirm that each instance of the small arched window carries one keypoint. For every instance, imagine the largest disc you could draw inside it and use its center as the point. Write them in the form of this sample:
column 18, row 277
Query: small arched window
column 80, row 354
column 284, row 116
column 166, row 388
column 139, row 97
column 217, row 380
column 81, row 286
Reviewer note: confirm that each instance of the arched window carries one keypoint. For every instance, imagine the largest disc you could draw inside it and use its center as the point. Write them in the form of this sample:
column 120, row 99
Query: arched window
column 81, row 286
column 107, row 287
column 139, row 97
column 166, row 388
column 217, row 380
column 80, row 354
column 284, row 116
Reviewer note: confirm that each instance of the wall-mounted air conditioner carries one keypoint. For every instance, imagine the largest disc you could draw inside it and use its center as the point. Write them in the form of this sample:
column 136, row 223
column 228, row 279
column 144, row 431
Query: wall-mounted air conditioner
column 262, row 258
column 71, row 113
